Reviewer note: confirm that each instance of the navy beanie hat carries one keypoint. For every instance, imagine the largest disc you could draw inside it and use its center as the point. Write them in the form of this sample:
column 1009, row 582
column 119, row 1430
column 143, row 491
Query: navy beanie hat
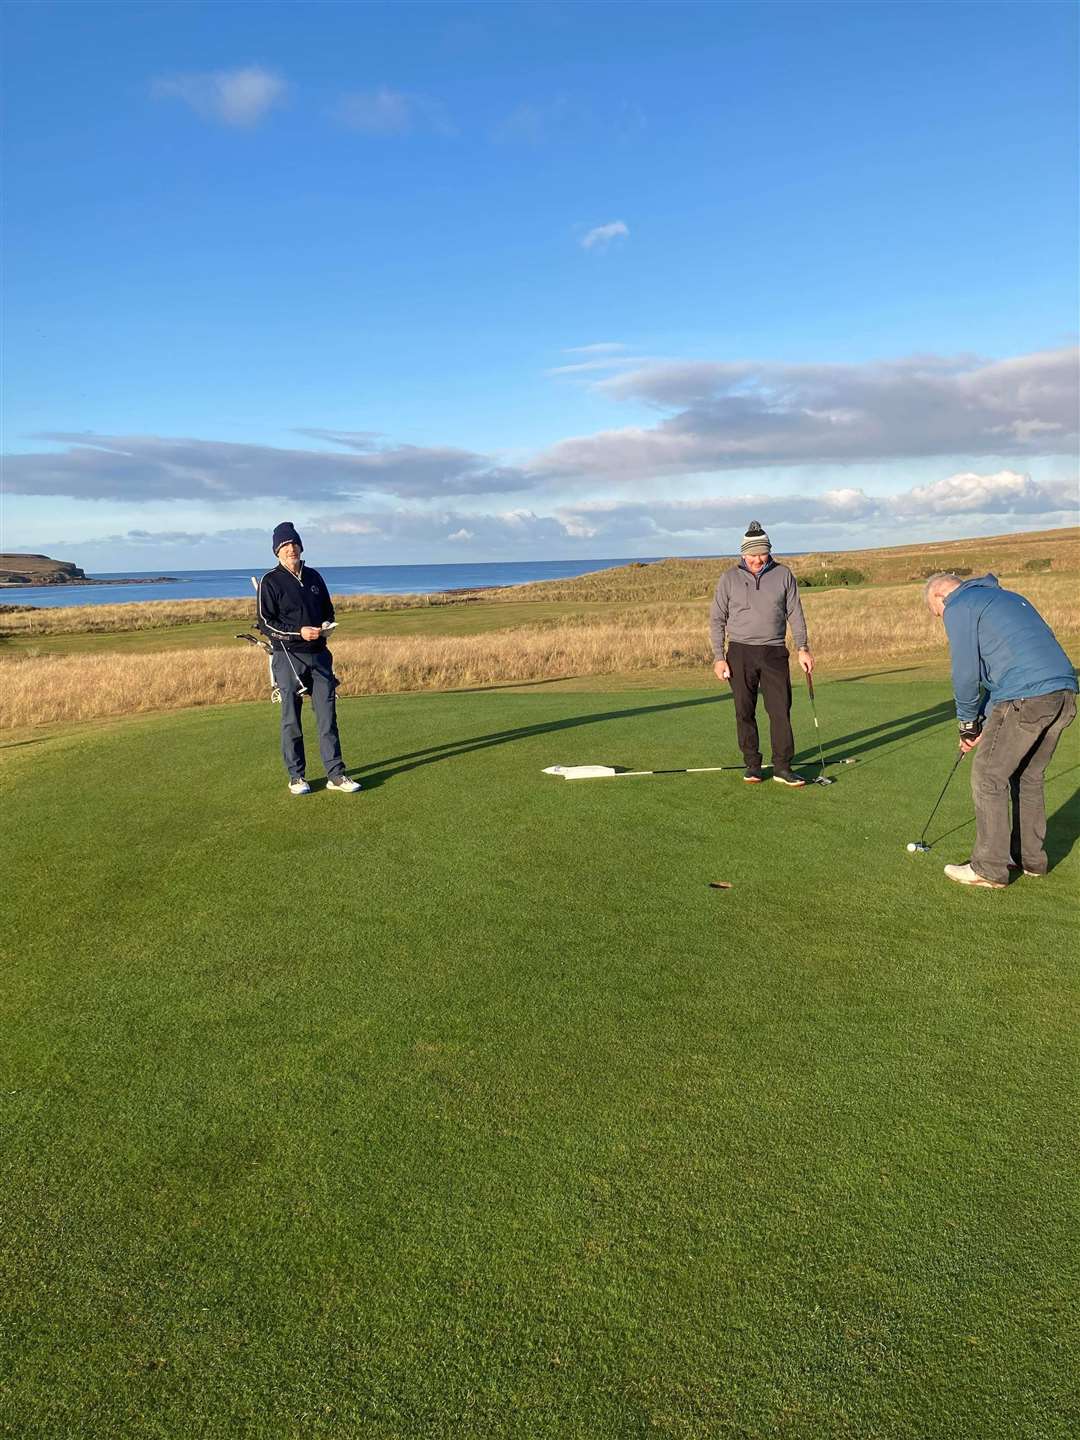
column 285, row 532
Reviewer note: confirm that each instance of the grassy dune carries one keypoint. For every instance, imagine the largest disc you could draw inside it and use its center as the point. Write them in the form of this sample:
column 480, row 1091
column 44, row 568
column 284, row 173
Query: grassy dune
column 665, row 580
column 847, row 627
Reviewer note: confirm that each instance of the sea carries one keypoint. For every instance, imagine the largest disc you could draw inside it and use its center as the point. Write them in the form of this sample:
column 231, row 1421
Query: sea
column 342, row 580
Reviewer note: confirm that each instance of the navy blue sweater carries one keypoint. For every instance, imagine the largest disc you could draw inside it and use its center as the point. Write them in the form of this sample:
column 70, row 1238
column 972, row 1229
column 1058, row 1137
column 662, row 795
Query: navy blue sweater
column 1000, row 645
column 286, row 602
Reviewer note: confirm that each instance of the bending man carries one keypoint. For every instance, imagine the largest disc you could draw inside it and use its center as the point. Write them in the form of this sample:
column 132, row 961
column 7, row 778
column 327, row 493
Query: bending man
column 754, row 602
column 294, row 613
column 1008, row 666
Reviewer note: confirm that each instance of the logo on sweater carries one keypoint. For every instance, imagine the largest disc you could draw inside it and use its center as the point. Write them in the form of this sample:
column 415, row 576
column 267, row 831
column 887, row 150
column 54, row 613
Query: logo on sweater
column 315, row 590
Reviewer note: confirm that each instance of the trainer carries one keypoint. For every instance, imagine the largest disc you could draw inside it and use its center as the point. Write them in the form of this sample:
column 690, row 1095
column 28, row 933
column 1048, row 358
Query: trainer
column 754, row 603
column 1007, row 666
column 294, row 613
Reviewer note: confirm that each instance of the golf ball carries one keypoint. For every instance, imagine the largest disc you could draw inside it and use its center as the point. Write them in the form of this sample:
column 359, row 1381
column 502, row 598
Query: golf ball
column 913, row 847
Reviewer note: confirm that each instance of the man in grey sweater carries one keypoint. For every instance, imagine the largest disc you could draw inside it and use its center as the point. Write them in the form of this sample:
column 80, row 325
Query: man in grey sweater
column 751, row 609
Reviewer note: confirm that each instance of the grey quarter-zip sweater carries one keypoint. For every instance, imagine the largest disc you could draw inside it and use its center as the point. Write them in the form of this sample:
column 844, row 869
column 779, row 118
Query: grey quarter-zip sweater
column 756, row 609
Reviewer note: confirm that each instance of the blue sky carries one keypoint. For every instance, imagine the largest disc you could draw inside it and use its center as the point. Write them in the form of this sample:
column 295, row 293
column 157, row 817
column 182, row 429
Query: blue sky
column 482, row 281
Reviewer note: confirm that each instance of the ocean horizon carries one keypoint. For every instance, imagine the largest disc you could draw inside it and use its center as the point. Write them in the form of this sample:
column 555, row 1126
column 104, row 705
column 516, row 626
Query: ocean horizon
column 234, row 582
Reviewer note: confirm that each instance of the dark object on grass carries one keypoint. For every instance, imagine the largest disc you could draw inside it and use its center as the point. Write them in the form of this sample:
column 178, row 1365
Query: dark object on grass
column 720, row 885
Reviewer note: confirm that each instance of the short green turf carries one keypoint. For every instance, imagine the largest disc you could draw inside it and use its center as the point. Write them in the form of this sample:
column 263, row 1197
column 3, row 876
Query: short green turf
column 463, row 1107
column 472, row 618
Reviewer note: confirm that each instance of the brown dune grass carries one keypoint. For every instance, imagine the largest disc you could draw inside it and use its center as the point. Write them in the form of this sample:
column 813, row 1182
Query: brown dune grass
column 164, row 614
column 847, row 627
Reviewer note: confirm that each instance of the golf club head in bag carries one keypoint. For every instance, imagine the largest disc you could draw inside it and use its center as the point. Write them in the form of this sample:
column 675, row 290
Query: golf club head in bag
column 301, row 688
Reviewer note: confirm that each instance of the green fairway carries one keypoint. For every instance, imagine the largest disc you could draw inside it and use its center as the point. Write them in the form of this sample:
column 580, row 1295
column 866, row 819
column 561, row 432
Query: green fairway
column 463, row 1107
column 473, row 618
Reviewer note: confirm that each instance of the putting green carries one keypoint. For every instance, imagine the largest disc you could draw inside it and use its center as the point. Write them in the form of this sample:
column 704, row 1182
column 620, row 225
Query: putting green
column 465, row 1107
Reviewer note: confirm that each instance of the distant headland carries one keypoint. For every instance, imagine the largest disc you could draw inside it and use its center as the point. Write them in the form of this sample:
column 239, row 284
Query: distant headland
column 18, row 570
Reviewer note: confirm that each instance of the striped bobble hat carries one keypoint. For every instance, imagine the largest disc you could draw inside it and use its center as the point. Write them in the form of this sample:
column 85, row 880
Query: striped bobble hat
column 755, row 541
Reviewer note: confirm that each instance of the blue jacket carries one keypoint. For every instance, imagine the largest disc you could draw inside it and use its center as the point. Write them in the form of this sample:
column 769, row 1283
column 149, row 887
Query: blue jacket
column 1000, row 644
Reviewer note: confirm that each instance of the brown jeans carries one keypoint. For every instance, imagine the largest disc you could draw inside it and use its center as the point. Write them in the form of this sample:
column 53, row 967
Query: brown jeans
column 1017, row 744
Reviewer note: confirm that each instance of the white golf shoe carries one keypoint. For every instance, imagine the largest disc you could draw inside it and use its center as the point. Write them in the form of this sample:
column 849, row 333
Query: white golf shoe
column 965, row 875
column 344, row 785
column 299, row 786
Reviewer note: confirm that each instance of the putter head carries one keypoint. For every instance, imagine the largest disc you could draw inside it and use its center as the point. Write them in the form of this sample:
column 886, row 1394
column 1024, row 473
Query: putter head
column 919, row 847
column 823, row 780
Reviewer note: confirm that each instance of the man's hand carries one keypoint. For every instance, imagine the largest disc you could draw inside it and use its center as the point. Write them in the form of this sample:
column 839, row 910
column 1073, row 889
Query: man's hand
column 806, row 660
column 309, row 632
column 722, row 670
column 970, row 734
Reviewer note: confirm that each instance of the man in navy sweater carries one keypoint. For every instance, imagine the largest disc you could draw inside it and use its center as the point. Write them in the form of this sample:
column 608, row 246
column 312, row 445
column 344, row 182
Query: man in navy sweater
column 294, row 613
column 1015, row 694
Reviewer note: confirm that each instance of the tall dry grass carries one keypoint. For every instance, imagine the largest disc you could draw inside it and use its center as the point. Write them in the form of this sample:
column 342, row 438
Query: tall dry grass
column 847, row 627
column 164, row 614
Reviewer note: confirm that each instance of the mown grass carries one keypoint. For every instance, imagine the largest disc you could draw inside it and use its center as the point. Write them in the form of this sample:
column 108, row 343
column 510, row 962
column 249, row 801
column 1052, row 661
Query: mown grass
column 463, row 1107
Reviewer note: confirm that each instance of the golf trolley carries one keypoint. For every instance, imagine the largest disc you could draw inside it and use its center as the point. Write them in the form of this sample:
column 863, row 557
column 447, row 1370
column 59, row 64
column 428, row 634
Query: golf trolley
column 267, row 648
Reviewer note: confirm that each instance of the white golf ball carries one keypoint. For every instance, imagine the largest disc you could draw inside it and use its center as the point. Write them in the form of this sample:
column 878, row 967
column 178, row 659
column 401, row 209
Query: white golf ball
column 913, row 847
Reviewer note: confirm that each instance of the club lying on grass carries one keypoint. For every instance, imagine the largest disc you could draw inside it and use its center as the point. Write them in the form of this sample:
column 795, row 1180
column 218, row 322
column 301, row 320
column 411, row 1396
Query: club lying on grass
column 611, row 772
column 920, row 847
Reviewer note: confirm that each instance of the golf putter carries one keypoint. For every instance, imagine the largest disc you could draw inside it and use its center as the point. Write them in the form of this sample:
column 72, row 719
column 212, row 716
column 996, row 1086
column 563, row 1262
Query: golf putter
column 821, row 779
column 920, row 847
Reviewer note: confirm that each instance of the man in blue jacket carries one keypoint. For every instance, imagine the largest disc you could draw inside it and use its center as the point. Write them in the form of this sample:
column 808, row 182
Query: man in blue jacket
column 1015, row 693
column 294, row 613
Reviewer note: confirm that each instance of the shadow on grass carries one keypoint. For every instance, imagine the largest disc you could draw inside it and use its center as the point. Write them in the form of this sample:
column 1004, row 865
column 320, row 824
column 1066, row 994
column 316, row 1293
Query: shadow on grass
column 875, row 737
column 873, row 675
column 374, row 774
column 1062, row 827
column 377, row 772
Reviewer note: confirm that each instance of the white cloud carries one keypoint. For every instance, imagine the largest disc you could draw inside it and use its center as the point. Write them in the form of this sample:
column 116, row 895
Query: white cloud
column 1005, row 492
column 461, row 535
column 393, row 112
column 600, row 237
column 232, row 97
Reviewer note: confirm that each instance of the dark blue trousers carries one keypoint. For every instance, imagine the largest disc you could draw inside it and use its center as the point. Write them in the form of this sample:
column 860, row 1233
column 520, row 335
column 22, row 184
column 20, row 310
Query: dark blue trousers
column 316, row 672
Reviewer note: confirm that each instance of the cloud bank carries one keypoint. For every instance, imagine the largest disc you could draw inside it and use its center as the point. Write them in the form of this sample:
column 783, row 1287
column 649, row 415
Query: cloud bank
column 709, row 525
column 141, row 468
column 738, row 415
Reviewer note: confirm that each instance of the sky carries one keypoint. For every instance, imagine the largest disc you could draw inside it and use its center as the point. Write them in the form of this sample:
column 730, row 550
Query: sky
column 445, row 282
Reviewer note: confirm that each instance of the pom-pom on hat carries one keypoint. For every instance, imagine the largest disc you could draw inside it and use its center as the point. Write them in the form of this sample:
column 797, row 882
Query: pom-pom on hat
column 284, row 533
column 755, row 541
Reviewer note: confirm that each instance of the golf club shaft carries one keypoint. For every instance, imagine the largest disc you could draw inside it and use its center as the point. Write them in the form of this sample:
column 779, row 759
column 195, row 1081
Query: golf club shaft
column 301, row 689
column 817, row 727
column 937, row 802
